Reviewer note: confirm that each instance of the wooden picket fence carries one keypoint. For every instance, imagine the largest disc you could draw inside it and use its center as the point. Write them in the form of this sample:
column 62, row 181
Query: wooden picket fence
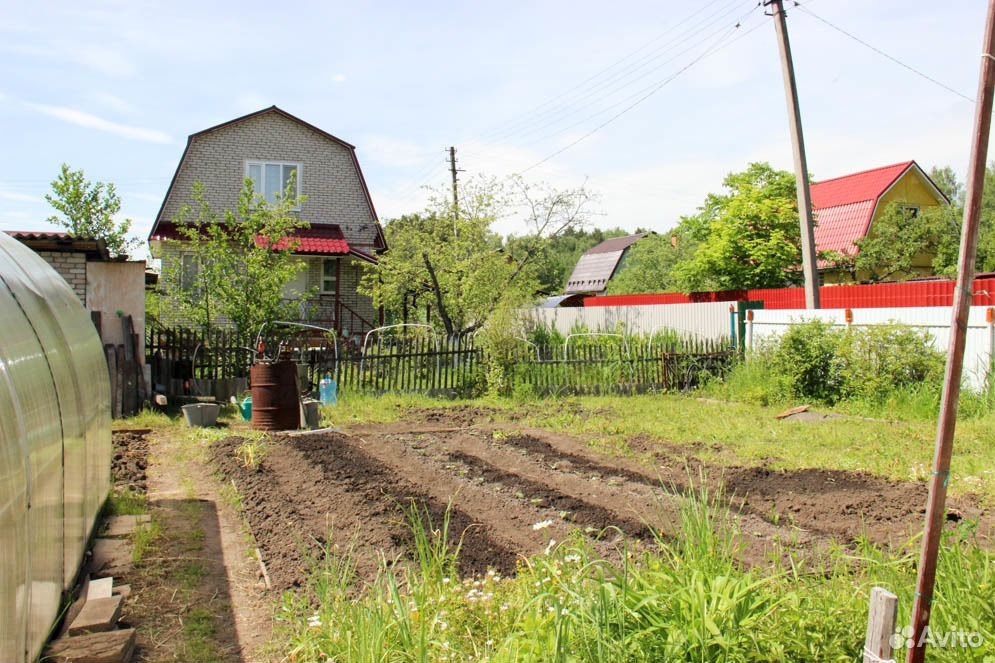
column 188, row 362
column 609, row 365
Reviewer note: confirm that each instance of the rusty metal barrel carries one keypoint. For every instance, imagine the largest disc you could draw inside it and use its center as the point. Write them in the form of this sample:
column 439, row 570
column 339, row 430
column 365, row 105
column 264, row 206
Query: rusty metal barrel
column 275, row 402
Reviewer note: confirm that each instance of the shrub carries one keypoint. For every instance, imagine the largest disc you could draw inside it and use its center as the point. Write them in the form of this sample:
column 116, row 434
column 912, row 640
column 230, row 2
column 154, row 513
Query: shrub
column 807, row 358
column 814, row 360
column 878, row 360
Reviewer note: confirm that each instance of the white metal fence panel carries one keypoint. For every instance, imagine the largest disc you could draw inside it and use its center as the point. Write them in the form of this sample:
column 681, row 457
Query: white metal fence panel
column 935, row 320
column 707, row 320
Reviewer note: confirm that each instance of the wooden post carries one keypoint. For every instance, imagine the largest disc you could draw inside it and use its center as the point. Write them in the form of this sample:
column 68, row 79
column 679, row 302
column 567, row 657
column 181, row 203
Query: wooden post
column 880, row 626
column 936, row 506
column 809, row 265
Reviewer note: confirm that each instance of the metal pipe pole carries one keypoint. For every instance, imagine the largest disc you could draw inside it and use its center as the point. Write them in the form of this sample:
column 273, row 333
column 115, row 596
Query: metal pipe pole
column 806, row 221
column 936, row 507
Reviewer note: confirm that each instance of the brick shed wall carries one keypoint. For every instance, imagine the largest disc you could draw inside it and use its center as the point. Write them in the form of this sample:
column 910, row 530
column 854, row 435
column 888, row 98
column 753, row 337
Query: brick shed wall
column 71, row 267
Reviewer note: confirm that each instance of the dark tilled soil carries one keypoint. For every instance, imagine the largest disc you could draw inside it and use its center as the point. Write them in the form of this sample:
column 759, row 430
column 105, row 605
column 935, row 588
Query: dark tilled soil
column 841, row 505
column 502, row 479
column 307, row 488
column 130, row 460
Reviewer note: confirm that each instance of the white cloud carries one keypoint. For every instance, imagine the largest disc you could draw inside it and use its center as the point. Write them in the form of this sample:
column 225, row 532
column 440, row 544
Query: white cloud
column 89, row 121
column 102, row 59
column 251, row 101
column 394, row 152
column 145, row 197
column 113, row 102
column 339, row 78
column 15, row 197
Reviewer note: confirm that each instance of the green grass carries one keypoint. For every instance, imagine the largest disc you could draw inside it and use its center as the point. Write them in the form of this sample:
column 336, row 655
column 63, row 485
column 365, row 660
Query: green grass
column 731, row 433
column 148, row 419
column 741, row 433
column 144, row 540
column 125, row 502
column 687, row 600
column 199, row 634
column 389, row 408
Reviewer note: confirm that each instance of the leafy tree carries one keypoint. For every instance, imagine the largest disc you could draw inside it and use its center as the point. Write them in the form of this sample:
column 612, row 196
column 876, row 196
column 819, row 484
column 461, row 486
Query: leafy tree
column 242, row 261
column 88, row 209
column 749, row 235
column 946, row 180
column 458, row 265
column 900, row 236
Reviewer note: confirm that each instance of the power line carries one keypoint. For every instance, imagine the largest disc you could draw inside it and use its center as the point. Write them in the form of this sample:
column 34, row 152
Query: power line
column 628, row 108
column 642, row 92
column 886, row 55
column 614, row 87
column 530, row 117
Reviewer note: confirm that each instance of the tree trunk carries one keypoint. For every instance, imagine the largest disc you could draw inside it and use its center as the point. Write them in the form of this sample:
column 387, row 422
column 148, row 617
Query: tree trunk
column 443, row 313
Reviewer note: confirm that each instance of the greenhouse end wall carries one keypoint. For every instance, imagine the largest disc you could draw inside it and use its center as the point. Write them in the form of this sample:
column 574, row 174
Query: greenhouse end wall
column 55, row 445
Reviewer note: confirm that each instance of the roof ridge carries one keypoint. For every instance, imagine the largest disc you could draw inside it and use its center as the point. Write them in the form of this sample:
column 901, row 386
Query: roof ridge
column 868, row 170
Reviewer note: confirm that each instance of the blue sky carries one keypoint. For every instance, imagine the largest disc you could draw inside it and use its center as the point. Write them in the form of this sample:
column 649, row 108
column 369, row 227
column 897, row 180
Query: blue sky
column 115, row 88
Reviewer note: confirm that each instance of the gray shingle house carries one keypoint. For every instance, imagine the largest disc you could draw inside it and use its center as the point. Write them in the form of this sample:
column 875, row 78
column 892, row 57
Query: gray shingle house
column 269, row 146
column 596, row 267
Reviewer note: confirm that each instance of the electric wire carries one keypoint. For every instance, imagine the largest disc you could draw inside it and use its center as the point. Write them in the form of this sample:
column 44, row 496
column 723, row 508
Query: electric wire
column 885, row 55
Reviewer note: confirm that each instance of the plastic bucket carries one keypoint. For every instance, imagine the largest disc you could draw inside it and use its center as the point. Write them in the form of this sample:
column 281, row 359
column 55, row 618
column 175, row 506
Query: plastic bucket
column 201, row 415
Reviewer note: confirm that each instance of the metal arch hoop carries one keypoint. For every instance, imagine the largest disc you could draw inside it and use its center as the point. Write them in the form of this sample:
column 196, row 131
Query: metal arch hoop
column 328, row 331
column 366, row 338
column 534, row 346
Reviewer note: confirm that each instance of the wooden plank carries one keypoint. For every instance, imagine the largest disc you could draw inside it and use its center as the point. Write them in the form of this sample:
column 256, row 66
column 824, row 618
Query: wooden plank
column 127, row 331
column 101, row 588
column 110, row 647
column 880, row 625
column 111, row 352
column 97, row 615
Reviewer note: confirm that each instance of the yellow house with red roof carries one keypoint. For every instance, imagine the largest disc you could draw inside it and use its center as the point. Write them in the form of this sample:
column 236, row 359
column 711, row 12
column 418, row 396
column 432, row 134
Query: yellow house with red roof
column 846, row 208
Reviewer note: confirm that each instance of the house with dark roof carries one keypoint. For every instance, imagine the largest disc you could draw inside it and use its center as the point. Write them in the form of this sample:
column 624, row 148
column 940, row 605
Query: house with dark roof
column 596, row 267
column 846, row 208
column 270, row 147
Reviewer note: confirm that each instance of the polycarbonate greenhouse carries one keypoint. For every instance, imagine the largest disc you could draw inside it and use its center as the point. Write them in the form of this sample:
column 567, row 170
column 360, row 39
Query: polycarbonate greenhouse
column 55, row 444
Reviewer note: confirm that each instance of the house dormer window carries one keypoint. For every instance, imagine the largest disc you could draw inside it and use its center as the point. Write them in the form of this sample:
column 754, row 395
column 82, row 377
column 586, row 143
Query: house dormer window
column 271, row 178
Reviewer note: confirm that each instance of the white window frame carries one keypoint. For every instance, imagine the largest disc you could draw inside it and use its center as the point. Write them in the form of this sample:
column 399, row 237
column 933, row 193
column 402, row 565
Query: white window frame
column 321, row 287
column 269, row 162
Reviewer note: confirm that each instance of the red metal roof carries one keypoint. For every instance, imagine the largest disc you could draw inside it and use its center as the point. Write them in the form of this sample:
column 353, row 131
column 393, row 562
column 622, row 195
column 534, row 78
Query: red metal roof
column 866, row 185
column 844, row 206
column 315, row 240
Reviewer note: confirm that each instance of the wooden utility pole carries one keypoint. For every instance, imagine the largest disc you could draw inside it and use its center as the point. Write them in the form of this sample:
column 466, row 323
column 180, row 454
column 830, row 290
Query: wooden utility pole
column 936, row 506
column 809, row 265
column 453, row 171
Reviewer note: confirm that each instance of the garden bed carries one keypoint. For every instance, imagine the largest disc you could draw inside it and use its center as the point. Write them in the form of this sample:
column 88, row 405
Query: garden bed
column 513, row 489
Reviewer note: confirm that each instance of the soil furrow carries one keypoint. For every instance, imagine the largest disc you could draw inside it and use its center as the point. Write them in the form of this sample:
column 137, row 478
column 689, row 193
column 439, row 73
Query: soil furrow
column 395, row 486
column 837, row 504
column 500, row 515
column 570, row 508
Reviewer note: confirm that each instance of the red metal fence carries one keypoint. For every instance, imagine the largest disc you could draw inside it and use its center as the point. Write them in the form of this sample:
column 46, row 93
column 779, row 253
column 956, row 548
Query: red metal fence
column 879, row 295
